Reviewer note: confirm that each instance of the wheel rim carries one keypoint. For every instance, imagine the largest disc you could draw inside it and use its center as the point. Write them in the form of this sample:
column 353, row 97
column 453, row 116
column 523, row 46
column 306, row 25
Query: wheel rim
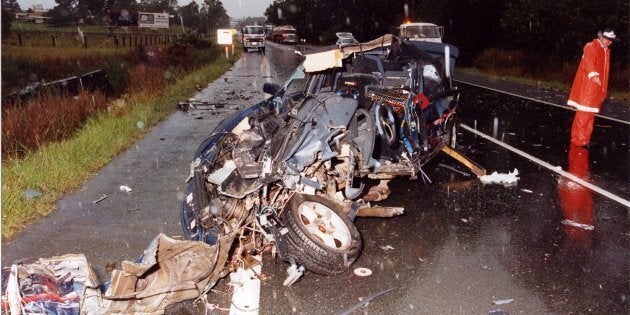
column 324, row 224
column 388, row 130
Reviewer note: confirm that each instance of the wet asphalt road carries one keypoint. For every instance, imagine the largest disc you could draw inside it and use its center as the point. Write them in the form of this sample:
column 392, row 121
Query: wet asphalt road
column 459, row 247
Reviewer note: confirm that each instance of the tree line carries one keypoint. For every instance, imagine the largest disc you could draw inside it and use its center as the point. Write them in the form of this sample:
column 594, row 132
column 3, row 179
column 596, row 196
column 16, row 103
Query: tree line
column 546, row 30
column 201, row 16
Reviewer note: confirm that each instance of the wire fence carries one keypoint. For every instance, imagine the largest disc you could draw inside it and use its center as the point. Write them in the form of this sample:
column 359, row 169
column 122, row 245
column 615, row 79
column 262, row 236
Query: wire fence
column 87, row 40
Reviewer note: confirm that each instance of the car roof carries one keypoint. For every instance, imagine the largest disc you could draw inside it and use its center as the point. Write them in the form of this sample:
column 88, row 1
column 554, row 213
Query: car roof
column 341, row 35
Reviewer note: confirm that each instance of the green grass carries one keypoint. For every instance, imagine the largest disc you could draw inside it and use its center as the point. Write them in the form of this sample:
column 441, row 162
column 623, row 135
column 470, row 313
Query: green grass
column 62, row 52
column 61, row 167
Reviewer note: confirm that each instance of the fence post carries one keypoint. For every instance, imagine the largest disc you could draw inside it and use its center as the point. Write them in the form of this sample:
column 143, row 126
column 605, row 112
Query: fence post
column 85, row 41
column 20, row 38
column 53, row 40
column 123, row 40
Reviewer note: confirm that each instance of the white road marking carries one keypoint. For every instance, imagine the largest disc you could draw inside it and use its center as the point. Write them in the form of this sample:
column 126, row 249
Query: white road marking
column 553, row 168
column 544, row 102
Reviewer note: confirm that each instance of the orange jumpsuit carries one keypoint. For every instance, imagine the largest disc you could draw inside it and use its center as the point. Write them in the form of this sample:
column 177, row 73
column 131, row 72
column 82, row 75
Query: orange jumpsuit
column 576, row 201
column 587, row 96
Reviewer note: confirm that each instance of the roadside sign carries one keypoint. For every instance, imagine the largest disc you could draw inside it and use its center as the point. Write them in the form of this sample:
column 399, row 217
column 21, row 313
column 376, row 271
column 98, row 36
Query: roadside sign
column 224, row 37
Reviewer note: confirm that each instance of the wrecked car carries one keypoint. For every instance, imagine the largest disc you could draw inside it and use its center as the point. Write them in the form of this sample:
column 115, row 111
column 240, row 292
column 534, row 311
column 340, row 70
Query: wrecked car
column 292, row 172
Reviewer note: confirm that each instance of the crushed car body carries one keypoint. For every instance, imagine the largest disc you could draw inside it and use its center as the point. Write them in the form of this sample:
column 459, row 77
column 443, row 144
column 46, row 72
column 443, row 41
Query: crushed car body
column 292, row 172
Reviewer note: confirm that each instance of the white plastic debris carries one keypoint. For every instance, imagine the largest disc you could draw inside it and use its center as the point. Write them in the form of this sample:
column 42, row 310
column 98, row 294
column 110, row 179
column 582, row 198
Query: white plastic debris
column 506, row 301
column 578, row 225
column 295, row 273
column 386, row 247
column 527, row 191
column 246, row 290
column 103, row 197
column 362, row 272
column 496, row 178
column 125, row 188
column 31, row 193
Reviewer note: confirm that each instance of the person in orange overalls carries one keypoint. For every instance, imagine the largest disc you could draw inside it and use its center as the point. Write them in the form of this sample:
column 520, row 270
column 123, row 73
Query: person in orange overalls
column 589, row 86
column 576, row 201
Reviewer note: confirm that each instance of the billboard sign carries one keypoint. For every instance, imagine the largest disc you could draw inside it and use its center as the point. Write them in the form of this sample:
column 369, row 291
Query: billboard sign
column 152, row 20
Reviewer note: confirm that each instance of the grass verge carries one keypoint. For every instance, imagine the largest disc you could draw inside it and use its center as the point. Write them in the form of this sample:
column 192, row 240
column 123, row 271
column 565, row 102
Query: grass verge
column 616, row 94
column 61, row 167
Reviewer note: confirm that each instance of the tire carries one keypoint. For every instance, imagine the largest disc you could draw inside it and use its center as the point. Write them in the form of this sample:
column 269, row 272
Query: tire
column 320, row 235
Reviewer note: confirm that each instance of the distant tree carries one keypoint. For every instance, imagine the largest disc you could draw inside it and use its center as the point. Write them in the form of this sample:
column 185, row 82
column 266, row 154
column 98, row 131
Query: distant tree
column 158, row 5
column 561, row 28
column 216, row 16
column 11, row 6
column 65, row 13
column 251, row 21
column 191, row 15
column 7, row 19
column 90, row 11
column 130, row 5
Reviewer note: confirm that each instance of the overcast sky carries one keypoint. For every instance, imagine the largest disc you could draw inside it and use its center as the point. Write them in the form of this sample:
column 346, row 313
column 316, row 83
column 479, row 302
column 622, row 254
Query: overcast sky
column 234, row 8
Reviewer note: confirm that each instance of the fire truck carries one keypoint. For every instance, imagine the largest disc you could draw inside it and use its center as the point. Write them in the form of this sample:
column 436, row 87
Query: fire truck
column 285, row 34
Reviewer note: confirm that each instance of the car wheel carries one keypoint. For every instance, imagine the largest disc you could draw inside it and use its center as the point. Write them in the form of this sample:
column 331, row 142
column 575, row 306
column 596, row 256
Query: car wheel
column 387, row 126
column 321, row 237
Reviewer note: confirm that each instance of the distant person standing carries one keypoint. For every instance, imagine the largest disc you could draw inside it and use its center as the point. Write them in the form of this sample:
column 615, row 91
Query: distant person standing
column 590, row 86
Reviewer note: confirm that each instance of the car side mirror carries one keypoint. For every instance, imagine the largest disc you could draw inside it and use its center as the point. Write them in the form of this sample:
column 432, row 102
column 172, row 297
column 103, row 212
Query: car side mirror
column 271, row 88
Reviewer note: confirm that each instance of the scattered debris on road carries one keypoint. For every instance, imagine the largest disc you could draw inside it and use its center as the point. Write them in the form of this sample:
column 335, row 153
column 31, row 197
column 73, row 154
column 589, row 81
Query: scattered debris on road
column 386, row 247
column 194, row 104
column 125, row 188
column 495, row 178
column 506, row 301
column 362, row 272
column 578, row 225
column 452, row 169
column 365, row 301
column 103, row 197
